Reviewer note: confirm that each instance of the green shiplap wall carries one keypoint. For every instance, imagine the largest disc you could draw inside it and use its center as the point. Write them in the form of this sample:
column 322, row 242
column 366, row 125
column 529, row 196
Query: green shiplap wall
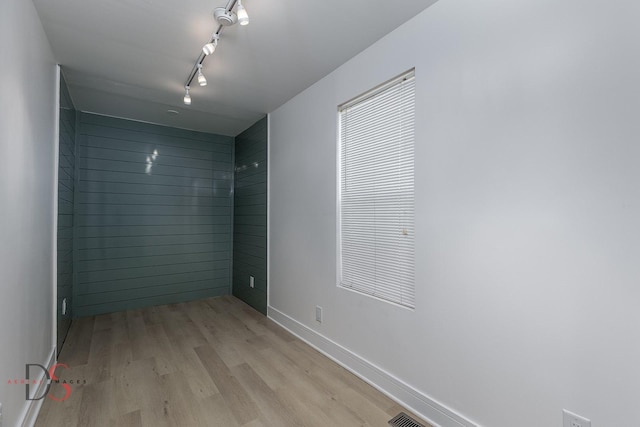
column 153, row 215
column 66, row 185
column 250, row 216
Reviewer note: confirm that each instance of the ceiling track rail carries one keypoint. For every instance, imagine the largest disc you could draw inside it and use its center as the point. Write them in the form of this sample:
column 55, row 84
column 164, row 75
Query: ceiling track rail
column 228, row 8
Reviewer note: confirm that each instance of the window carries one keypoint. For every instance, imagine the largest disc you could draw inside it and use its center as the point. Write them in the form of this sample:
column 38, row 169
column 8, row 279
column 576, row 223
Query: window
column 376, row 253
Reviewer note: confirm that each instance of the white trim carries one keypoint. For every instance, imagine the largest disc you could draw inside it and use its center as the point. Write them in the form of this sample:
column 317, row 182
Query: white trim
column 56, row 163
column 268, row 207
column 378, row 89
column 338, row 147
column 422, row 405
column 31, row 409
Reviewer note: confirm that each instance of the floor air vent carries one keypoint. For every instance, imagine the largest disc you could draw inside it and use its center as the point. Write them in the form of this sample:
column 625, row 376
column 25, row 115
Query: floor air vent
column 404, row 420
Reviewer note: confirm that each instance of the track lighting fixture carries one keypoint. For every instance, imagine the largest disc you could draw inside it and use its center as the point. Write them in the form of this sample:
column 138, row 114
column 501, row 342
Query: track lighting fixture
column 225, row 17
column 243, row 17
column 210, row 47
column 187, row 97
column 202, row 80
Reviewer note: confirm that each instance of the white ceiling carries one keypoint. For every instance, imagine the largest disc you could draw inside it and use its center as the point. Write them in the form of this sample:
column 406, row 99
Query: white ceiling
column 130, row 58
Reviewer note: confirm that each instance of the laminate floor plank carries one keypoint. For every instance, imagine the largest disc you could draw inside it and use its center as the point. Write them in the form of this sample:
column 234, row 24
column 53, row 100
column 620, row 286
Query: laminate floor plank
column 217, row 412
column 162, row 349
column 132, row 419
column 100, row 356
column 364, row 408
column 180, row 404
column 96, row 407
column 261, row 365
column 213, row 362
column 255, row 423
column 313, row 393
column 77, row 345
column 315, row 416
column 61, row 413
column 201, row 385
column 271, row 407
column 241, row 405
column 327, row 369
column 136, row 385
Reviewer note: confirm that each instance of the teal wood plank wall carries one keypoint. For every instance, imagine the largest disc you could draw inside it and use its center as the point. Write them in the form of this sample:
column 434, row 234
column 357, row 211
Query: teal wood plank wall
column 250, row 216
column 150, row 228
column 66, row 185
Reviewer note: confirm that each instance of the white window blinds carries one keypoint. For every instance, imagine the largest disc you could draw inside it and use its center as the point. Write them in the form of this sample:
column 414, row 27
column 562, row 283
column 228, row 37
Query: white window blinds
column 377, row 192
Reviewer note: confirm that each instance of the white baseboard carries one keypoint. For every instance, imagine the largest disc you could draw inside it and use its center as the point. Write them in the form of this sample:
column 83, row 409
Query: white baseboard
column 32, row 407
column 422, row 405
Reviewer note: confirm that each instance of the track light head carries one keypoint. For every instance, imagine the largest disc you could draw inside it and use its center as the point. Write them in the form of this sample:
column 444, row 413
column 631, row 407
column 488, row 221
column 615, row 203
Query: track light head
column 243, row 16
column 210, row 47
column 187, row 97
column 202, row 80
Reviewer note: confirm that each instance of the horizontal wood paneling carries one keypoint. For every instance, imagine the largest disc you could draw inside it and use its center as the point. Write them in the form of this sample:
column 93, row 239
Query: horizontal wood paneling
column 243, row 262
column 218, row 189
column 153, row 216
column 154, row 270
column 140, row 177
column 150, row 220
column 160, row 210
column 66, row 188
column 150, row 230
column 250, row 216
column 147, row 200
column 145, row 251
column 132, row 147
column 250, row 230
column 146, row 241
column 149, row 261
column 215, row 276
column 107, row 297
column 147, row 301
column 111, row 154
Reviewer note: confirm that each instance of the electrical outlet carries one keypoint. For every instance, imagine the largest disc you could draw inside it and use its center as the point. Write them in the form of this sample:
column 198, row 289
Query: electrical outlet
column 569, row 419
column 64, row 306
column 252, row 282
column 318, row 314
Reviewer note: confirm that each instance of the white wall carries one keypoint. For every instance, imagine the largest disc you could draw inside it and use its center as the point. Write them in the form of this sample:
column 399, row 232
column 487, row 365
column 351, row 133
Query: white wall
column 528, row 211
column 27, row 165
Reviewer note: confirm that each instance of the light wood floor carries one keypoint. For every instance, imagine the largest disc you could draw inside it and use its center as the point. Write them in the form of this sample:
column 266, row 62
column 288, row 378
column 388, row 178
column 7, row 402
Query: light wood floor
column 214, row 362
